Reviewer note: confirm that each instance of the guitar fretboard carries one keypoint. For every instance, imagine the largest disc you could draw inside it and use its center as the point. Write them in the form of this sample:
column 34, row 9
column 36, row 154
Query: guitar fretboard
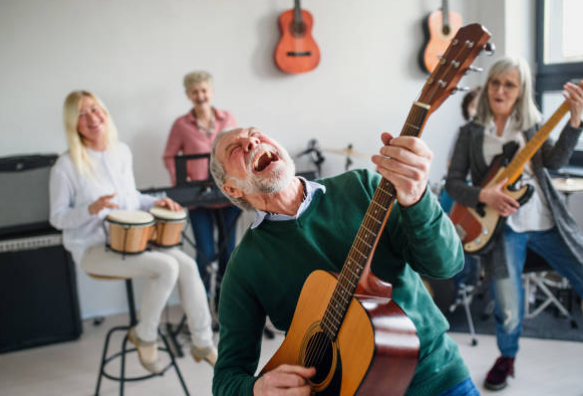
column 367, row 236
column 297, row 12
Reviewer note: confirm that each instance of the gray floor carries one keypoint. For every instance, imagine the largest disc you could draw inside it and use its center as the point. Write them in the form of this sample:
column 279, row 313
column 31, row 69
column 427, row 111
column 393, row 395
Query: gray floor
column 543, row 368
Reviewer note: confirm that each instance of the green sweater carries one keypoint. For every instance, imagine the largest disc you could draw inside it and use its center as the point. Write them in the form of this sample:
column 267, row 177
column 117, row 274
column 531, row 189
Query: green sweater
column 268, row 269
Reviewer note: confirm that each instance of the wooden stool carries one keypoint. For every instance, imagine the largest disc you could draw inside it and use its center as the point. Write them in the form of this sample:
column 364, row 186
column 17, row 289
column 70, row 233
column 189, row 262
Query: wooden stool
column 124, row 350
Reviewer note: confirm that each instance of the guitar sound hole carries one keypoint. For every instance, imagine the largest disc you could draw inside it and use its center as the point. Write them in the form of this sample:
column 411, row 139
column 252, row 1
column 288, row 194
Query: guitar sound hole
column 298, row 29
column 319, row 354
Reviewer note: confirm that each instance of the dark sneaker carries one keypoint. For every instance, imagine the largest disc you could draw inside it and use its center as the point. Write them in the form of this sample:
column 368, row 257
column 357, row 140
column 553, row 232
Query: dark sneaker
column 496, row 378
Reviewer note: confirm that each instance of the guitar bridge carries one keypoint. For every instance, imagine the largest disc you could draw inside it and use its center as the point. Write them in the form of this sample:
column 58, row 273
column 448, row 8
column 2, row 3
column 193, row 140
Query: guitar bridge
column 299, row 53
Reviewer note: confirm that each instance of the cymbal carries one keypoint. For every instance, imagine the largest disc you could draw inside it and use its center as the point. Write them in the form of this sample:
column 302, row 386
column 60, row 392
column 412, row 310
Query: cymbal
column 570, row 184
column 348, row 152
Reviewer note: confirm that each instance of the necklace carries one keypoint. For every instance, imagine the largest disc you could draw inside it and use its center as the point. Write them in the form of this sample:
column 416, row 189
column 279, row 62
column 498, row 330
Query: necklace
column 211, row 124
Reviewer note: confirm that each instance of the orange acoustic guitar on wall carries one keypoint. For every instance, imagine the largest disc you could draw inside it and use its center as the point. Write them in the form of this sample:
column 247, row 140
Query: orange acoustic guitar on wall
column 347, row 326
column 439, row 28
column 296, row 51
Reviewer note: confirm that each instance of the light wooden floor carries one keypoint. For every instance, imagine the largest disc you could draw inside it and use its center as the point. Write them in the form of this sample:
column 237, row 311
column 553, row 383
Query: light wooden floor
column 543, row 367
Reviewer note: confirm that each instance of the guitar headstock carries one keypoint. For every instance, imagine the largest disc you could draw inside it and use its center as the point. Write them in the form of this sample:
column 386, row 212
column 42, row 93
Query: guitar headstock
column 469, row 41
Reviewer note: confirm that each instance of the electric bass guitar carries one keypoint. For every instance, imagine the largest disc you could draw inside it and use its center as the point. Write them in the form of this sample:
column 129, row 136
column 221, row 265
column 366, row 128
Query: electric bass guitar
column 296, row 51
column 439, row 28
column 477, row 227
column 347, row 326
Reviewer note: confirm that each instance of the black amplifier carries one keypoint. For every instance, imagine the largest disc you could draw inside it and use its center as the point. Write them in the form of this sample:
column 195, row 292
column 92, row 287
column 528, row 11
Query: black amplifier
column 24, row 193
column 38, row 292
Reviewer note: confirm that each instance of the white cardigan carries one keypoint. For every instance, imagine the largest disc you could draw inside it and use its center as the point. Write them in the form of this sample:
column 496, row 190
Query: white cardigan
column 71, row 193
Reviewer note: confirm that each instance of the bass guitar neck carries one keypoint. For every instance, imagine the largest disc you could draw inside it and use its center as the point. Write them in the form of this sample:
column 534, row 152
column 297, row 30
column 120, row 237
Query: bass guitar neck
column 477, row 227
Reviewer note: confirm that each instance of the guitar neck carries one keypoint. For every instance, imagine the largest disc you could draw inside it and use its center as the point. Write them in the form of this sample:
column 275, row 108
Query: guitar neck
column 456, row 60
column 297, row 12
column 445, row 13
column 368, row 235
column 514, row 169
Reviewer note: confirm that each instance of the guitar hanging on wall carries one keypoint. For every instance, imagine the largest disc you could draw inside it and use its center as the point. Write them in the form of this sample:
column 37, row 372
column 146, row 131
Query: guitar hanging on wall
column 296, row 51
column 347, row 326
column 439, row 28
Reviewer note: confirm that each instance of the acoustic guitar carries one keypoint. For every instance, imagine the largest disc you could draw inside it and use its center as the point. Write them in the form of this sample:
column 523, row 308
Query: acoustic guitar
column 296, row 51
column 347, row 326
column 477, row 227
column 438, row 28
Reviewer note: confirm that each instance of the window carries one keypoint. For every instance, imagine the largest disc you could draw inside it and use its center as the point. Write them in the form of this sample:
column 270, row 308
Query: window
column 559, row 55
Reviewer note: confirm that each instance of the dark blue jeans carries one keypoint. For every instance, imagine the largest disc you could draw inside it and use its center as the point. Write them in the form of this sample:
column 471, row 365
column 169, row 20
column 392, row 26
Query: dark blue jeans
column 465, row 388
column 204, row 221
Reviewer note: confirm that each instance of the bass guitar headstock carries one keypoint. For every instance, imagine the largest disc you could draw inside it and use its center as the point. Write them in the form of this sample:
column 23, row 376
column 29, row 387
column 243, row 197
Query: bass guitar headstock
column 467, row 44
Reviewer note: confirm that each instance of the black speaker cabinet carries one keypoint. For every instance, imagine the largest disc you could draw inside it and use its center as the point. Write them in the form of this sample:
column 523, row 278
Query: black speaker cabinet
column 38, row 293
column 24, row 193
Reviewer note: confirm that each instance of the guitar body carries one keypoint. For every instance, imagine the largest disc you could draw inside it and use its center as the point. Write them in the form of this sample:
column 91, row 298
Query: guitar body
column 376, row 349
column 477, row 227
column 296, row 51
column 437, row 38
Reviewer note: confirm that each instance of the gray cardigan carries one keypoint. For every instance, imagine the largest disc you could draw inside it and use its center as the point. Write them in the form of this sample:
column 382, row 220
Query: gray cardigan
column 468, row 156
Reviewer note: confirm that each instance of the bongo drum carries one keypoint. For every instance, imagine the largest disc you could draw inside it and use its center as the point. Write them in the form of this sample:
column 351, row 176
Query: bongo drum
column 169, row 224
column 129, row 230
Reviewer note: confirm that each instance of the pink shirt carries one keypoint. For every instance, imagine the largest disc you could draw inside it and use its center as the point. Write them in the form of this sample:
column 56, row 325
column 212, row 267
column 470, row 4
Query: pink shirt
column 186, row 138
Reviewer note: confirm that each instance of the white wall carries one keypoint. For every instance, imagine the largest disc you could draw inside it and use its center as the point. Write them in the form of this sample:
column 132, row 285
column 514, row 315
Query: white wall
column 134, row 53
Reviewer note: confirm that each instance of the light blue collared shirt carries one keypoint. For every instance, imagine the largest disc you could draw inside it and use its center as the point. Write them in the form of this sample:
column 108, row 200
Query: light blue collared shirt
column 310, row 190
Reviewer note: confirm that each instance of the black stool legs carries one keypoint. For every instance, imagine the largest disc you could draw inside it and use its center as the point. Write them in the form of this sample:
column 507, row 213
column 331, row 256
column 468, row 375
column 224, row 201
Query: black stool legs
column 122, row 379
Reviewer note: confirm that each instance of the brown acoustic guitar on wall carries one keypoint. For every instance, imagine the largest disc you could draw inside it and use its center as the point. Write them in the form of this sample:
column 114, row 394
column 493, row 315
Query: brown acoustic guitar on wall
column 439, row 28
column 477, row 227
column 347, row 326
column 296, row 51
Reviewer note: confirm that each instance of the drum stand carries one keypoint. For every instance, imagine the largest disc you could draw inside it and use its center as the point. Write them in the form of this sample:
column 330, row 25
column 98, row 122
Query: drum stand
column 469, row 283
column 465, row 294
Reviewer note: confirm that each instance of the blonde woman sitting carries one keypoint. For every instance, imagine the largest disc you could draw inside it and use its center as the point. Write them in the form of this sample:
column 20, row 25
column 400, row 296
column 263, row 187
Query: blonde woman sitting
column 95, row 176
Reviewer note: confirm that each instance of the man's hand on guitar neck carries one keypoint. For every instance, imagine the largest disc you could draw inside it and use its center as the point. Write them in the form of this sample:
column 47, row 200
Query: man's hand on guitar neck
column 285, row 380
column 405, row 161
column 495, row 197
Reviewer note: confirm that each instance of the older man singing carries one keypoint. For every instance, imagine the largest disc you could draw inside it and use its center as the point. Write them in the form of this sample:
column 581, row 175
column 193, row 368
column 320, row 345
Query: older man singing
column 301, row 226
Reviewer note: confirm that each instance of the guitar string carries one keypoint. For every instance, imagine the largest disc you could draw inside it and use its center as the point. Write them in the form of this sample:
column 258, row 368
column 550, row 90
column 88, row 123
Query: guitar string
column 320, row 345
column 316, row 350
column 385, row 199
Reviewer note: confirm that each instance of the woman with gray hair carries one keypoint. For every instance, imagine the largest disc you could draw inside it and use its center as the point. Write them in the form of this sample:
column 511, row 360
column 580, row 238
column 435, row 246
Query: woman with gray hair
column 194, row 133
column 507, row 113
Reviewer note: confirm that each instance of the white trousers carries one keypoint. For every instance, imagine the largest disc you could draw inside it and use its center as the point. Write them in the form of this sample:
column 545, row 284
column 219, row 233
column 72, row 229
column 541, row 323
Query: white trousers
column 161, row 268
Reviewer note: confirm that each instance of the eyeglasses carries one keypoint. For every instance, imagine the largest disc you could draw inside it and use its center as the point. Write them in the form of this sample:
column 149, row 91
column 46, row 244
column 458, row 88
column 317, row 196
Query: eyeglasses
column 495, row 84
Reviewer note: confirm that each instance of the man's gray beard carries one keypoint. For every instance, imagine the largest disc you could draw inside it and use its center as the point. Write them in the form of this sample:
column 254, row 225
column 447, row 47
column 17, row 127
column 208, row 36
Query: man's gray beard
column 276, row 181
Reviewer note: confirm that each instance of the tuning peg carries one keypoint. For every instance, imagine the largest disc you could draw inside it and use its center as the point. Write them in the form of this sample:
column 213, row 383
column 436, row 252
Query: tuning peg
column 475, row 69
column 460, row 89
column 489, row 48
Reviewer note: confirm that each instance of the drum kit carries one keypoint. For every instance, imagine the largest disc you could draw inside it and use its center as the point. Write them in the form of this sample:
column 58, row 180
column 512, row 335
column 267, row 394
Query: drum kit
column 317, row 158
column 568, row 186
column 133, row 231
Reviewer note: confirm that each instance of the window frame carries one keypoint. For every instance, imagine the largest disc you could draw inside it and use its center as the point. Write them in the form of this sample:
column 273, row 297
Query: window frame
column 550, row 77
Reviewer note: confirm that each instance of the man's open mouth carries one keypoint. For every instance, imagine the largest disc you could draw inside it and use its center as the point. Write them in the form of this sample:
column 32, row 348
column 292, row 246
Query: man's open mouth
column 263, row 160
